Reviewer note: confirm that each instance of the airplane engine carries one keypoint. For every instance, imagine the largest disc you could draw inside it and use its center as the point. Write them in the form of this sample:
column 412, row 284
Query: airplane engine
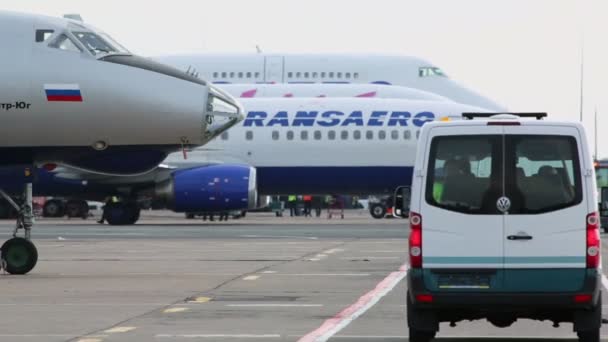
column 210, row 188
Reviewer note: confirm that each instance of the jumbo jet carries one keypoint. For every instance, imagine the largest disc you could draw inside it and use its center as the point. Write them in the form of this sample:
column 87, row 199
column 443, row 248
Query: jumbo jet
column 70, row 96
column 407, row 71
column 329, row 90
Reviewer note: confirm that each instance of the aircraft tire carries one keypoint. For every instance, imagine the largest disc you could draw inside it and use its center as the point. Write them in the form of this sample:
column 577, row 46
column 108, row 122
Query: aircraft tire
column 53, row 208
column 377, row 210
column 19, row 255
column 122, row 214
column 77, row 208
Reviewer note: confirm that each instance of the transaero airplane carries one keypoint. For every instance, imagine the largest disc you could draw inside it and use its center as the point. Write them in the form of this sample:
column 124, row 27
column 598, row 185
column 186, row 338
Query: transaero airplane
column 284, row 145
column 72, row 97
column 404, row 71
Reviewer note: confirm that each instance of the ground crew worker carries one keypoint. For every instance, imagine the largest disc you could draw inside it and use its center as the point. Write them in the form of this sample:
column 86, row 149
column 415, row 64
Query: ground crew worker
column 291, row 202
column 317, row 203
column 307, row 205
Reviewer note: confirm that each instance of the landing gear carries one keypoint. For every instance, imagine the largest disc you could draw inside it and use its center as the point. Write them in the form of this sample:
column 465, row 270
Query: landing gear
column 77, row 208
column 121, row 213
column 19, row 255
column 53, row 208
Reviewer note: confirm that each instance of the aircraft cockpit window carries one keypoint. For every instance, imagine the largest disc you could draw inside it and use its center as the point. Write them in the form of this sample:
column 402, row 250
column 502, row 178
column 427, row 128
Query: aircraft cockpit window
column 98, row 43
column 43, row 35
column 430, row 71
column 63, row 42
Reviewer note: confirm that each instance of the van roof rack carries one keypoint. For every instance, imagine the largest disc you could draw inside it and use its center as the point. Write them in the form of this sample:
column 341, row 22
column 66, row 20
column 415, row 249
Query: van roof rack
column 472, row 115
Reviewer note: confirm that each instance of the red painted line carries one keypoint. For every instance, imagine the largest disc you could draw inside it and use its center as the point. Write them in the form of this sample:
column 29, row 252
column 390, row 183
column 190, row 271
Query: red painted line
column 333, row 325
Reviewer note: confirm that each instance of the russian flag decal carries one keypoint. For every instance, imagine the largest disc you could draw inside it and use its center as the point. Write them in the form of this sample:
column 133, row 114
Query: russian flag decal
column 63, row 92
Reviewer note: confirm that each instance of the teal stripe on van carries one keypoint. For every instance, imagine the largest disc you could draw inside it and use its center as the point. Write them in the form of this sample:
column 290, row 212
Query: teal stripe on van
column 506, row 260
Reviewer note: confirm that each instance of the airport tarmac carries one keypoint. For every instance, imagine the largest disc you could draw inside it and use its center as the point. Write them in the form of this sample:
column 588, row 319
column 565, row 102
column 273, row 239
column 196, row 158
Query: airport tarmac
column 259, row 278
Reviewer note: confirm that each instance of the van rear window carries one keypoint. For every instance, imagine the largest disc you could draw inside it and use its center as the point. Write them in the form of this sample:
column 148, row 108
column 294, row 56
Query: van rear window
column 538, row 174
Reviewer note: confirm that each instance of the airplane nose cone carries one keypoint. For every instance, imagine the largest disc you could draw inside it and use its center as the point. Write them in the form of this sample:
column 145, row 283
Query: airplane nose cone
column 222, row 112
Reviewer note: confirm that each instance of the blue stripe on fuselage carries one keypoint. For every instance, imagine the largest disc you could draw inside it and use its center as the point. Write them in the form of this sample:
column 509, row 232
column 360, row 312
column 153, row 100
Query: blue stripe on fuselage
column 326, row 180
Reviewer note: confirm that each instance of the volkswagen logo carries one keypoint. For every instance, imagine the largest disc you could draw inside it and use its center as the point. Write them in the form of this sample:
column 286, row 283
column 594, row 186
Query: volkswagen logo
column 503, row 204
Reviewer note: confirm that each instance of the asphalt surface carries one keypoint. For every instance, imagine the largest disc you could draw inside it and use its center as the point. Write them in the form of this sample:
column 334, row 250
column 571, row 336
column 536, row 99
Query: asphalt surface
column 260, row 278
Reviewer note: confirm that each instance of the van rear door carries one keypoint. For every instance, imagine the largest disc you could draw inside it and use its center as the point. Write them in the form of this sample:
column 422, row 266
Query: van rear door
column 545, row 228
column 458, row 233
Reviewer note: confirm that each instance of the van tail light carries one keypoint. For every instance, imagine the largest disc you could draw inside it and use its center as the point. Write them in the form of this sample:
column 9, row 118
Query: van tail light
column 415, row 240
column 593, row 240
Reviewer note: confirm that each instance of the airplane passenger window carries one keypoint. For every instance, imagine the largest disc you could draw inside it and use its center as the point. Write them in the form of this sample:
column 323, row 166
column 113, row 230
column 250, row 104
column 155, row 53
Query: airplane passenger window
column 257, row 74
column 317, row 135
column 232, row 75
column 357, row 135
column 290, row 74
column 331, row 75
column 344, row 135
column 306, row 75
column 289, row 135
column 240, row 74
column 323, row 74
column 223, row 75
column 339, row 75
column 347, row 75
column 369, row 135
column 298, row 75
column 225, row 135
column 249, row 74
column 43, row 35
column 64, row 42
column 356, row 75
column 249, row 135
column 407, row 135
column 314, row 75
column 382, row 135
column 304, row 135
column 394, row 135
column 215, row 74
column 331, row 135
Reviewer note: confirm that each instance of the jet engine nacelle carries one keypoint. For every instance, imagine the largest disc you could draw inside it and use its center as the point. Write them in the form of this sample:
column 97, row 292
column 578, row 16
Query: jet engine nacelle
column 210, row 188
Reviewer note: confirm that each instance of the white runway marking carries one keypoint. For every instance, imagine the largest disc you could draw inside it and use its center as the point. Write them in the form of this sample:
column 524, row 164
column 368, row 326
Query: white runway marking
column 333, row 325
column 370, row 258
column 323, row 274
column 251, row 277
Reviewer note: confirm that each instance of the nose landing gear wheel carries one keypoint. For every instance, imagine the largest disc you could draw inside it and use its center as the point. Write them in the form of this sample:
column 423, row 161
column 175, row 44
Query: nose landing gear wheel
column 19, row 256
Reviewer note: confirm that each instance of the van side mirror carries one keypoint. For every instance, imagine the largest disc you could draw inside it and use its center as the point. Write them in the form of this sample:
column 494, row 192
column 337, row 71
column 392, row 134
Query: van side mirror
column 604, row 198
column 402, row 197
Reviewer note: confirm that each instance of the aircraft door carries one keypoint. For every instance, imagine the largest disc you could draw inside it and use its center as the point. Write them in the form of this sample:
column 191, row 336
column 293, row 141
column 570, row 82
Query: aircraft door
column 273, row 69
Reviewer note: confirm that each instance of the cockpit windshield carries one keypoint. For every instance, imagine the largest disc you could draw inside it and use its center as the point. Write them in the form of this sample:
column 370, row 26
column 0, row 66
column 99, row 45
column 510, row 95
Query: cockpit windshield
column 99, row 43
column 427, row 71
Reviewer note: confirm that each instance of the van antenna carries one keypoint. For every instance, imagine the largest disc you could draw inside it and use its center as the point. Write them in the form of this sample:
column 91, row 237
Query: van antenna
column 595, row 152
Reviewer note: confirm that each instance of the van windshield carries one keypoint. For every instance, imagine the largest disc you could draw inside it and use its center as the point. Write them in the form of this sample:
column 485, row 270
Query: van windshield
column 541, row 173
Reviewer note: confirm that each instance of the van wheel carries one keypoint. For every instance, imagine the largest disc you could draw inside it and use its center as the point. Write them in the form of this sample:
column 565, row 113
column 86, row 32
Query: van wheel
column 417, row 319
column 422, row 336
column 589, row 336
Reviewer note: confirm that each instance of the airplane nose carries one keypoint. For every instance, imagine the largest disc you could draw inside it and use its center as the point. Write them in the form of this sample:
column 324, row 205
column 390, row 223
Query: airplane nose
column 222, row 112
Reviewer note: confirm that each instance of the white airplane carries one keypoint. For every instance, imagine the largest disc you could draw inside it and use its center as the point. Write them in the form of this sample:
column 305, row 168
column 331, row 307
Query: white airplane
column 404, row 71
column 71, row 96
column 329, row 90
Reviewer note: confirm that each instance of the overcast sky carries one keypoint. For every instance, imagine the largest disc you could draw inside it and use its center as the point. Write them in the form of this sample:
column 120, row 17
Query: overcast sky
column 522, row 53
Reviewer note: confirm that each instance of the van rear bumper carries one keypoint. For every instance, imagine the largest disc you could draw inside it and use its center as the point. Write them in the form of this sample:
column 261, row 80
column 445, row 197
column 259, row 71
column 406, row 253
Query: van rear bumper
column 503, row 301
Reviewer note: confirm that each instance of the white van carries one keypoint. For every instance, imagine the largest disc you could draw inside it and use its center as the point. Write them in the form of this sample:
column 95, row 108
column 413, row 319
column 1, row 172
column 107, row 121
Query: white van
column 504, row 225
